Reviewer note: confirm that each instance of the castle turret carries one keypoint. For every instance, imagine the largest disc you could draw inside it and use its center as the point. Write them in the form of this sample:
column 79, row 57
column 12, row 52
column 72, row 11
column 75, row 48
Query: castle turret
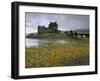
column 41, row 29
column 53, row 26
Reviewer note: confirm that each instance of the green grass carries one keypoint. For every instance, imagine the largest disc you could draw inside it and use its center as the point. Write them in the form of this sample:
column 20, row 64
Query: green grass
column 52, row 36
column 58, row 55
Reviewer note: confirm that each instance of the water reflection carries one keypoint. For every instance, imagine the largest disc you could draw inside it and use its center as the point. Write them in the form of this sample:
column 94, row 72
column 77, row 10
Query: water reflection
column 44, row 42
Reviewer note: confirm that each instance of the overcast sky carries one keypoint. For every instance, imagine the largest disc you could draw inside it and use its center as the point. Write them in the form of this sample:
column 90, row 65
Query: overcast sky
column 65, row 22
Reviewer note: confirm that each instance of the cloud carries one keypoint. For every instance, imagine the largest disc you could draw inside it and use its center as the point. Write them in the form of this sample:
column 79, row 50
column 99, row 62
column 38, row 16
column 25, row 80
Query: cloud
column 30, row 30
column 65, row 21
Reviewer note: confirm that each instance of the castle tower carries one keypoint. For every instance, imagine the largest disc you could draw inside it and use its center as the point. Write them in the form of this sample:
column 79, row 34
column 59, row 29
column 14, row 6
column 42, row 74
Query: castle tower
column 53, row 26
column 41, row 29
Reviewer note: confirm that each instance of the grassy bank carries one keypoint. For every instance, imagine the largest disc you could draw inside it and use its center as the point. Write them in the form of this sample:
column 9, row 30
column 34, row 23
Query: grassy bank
column 58, row 55
column 49, row 36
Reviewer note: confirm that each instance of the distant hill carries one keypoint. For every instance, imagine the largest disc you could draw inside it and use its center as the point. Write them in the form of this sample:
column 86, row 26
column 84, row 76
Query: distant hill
column 31, row 35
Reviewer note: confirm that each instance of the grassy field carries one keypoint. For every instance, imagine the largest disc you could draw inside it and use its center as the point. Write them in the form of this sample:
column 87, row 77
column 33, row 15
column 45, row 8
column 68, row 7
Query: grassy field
column 58, row 55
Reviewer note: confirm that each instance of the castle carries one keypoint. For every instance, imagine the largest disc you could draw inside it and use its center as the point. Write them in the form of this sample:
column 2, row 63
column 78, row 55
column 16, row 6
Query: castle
column 52, row 28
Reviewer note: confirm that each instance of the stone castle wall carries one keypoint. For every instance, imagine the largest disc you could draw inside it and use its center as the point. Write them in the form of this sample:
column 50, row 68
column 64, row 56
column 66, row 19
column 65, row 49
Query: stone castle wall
column 52, row 28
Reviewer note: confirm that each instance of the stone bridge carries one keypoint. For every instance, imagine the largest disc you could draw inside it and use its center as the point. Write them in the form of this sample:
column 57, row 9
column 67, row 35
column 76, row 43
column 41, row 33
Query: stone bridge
column 81, row 35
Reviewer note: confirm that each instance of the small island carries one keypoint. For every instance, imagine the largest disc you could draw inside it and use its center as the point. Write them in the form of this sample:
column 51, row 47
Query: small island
column 52, row 32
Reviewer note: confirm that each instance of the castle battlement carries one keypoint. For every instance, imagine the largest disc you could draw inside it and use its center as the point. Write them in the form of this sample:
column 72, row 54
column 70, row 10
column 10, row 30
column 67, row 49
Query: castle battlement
column 52, row 28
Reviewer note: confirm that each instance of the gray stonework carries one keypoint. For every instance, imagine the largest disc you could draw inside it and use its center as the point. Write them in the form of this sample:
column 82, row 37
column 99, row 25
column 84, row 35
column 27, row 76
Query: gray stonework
column 52, row 28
